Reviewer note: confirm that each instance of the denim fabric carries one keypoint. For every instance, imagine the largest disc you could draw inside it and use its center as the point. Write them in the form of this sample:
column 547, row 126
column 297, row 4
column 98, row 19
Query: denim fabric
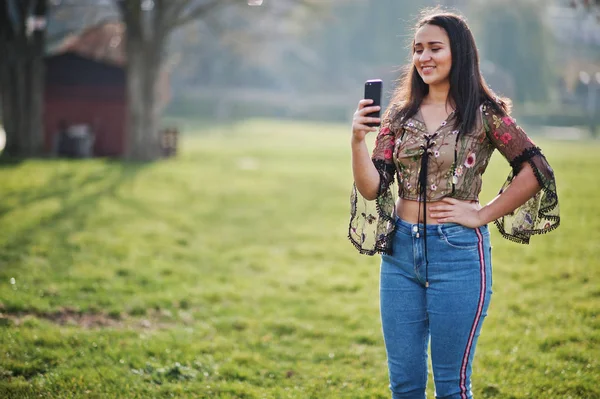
column 447, row 315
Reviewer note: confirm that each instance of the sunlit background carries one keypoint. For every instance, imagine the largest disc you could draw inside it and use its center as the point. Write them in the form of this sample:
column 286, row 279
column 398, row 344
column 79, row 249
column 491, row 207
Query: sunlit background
column 307, row 60
column 174, row 198
column 543, row 54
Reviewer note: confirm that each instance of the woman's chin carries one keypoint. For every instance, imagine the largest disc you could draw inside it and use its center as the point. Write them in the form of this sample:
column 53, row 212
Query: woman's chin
column 432, row 80
column 428, row 79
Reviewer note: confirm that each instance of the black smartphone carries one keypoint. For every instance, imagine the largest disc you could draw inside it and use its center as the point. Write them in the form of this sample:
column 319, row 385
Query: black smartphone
column 373, row 90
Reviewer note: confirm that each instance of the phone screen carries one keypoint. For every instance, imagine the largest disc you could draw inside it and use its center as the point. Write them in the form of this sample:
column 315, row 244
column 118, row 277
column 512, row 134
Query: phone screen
column 373, row 90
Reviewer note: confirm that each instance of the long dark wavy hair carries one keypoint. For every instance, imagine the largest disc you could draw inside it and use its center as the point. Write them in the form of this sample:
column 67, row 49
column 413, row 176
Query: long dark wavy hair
column 468, row 89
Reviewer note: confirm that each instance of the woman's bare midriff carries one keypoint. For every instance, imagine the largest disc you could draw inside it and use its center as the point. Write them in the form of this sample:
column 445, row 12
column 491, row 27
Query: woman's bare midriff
column 408, row 210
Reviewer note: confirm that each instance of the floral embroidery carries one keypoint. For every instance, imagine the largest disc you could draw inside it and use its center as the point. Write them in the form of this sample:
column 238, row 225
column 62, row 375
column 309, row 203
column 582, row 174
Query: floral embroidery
column 470, row 161
column 506, row 137
column 497, row 121
column 456, row 167
column 508, row 120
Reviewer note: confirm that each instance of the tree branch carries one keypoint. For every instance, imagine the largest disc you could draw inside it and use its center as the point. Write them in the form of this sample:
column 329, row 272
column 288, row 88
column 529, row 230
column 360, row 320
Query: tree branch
column 198, row 11
column 162, row 16
column 173, row 13
column 131, row 11
column 5, row 22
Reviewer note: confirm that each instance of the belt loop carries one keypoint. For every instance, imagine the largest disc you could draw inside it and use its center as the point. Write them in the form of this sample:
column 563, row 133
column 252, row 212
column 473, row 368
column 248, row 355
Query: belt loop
column 439, row 229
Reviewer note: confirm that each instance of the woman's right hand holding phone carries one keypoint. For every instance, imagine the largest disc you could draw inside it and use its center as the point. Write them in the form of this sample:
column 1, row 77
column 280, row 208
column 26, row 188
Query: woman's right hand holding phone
column 360, row 120
column 365, row 174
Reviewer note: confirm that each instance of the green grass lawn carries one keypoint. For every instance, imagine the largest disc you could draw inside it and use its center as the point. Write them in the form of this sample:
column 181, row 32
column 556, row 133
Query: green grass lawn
column 226, row 273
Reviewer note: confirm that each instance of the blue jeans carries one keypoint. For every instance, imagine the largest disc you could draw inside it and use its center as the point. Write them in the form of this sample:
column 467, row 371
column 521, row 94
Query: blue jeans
column 449, row 313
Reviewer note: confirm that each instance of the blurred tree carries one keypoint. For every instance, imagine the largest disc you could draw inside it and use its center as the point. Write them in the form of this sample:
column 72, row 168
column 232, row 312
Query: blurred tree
column 25, row 29
column 149, row 26
column 22, row 40
column 512, row 36
column 354, row 39
column 590, row 5
column 149, row 23
column 361, row 39
column 68, row 17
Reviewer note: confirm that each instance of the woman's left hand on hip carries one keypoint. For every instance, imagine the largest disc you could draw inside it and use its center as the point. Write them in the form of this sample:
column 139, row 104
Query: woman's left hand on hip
column 455, row 211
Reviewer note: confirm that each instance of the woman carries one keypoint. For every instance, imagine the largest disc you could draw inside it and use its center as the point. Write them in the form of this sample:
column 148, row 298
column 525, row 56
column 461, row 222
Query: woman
column 435, row 141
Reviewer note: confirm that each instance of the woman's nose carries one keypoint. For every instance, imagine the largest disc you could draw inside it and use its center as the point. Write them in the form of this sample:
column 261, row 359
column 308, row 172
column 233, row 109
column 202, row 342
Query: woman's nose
column 425, row 55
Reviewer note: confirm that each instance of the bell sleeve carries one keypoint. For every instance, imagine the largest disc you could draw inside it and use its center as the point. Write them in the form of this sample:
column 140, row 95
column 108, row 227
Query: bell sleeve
column 372, row 222
column 540, row 214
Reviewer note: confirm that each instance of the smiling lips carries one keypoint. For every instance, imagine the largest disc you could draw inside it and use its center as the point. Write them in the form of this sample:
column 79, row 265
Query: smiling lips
column 427, row 69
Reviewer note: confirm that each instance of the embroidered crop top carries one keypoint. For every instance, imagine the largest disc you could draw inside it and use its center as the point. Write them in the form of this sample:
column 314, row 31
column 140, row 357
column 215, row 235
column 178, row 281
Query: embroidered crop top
column 449, row 163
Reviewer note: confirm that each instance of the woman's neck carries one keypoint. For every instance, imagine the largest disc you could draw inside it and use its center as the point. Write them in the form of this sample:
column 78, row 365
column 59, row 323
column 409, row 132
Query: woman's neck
column 438, row 95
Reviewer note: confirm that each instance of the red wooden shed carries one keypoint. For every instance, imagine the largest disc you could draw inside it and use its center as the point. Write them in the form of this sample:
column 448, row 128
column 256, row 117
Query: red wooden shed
column 83, row 91
column 86, row 84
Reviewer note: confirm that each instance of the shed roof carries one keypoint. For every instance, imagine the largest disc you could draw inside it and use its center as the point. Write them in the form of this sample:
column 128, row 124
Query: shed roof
column 103, row 42
column 71, row 69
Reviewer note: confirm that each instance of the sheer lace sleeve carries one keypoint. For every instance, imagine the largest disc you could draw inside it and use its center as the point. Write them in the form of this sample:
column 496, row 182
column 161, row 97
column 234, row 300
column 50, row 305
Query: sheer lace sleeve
column 371, row 222
column 540, row 214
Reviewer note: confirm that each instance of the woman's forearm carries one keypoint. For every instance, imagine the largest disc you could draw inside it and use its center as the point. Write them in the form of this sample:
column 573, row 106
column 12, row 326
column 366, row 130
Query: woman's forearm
column 365, row 174
column 521, row 189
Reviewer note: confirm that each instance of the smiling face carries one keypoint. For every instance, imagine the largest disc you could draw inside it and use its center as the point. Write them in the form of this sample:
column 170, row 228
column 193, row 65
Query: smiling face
column 432, row 56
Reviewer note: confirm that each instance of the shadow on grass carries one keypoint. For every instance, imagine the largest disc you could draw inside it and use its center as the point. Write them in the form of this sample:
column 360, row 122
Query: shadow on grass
column 60, row 185
column 7, row 161
column 78, row 193
column 149, row 212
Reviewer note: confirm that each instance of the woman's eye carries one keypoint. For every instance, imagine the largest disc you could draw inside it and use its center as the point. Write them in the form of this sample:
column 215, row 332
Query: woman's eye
column 435, row 50
column 418, row 51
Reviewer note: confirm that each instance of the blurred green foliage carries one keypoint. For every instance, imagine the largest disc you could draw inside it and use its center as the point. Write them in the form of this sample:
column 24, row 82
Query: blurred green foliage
column 317, row 72
column 513, row 36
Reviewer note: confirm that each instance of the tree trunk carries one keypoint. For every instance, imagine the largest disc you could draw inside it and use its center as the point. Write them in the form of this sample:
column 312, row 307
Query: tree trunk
column 36, row 85
column 143, row 67
column 11, row 93
column 8, row 106
column 22, row 84
column 149, row 25
column 15, row 101
column 27, row 97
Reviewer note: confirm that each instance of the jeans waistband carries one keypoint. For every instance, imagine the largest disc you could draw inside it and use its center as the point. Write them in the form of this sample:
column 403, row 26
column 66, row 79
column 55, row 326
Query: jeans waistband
column 443, row 229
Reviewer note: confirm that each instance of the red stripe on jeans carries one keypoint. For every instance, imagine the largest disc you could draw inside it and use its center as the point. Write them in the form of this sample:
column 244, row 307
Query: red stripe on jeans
column 463, row 370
